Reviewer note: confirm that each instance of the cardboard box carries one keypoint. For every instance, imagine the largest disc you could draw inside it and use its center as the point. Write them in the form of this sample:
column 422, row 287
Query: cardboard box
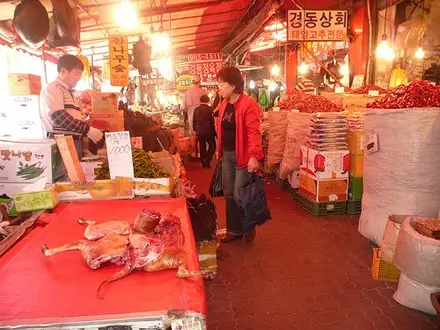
column 323, row 190
column 21, row 118
column 153, row 187
column 24, row 84
column 110, row 122
column 390, row 236
column 357, row 166
column 120, row 188
column 26, row 161
column 104, row 102
column 46, row 199
column 320, row 165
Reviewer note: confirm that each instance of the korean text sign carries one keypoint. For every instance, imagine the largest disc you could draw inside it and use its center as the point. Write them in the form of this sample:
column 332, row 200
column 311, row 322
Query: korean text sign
column 207, row 65
column 317, row 25
column 118, row 51
column 119, row 154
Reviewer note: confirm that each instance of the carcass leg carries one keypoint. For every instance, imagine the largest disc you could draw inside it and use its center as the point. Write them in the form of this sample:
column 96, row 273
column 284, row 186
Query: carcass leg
column 84, row 221
column 66, row 247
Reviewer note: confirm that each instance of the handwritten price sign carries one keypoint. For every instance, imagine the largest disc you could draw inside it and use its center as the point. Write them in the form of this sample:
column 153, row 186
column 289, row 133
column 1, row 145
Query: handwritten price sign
column 119, row 154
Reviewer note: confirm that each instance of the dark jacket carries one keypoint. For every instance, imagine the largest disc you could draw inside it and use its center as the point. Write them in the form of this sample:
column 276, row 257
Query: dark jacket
column 203, row 121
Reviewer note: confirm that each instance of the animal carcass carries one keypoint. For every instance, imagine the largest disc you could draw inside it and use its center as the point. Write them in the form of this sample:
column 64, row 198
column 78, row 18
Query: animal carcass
column 96, row 231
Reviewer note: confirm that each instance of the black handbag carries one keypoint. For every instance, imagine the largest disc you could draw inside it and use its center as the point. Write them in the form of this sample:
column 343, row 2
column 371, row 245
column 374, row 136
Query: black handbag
column 253, row 203
column 216, row 186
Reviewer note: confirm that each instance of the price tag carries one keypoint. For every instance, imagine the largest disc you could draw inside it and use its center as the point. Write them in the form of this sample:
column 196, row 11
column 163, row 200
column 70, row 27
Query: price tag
column 373, row 93
column 371, row 142
column 339, row 90
column 358, row 81
column 119, row 154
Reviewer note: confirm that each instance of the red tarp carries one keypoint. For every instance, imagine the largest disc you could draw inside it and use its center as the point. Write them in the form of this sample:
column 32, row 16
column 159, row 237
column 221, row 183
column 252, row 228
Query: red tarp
column 35, row 288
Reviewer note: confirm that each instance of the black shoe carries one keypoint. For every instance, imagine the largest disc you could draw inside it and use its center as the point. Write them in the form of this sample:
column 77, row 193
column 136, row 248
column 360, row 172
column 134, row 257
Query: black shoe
column 250, row 235
column 231, row 237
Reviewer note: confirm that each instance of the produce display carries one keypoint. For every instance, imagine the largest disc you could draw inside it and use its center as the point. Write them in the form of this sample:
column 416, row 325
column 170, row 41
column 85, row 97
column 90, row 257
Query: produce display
column 367, row 88
column 295, row 100
column 144, row 167
column 159, row 249
column 416, row 94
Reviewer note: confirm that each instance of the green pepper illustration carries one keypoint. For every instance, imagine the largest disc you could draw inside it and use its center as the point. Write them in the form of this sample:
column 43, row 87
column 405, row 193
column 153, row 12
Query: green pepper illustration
column 30, row 172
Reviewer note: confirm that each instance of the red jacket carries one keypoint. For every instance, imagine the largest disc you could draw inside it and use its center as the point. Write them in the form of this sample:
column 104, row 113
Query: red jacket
column 247, row 135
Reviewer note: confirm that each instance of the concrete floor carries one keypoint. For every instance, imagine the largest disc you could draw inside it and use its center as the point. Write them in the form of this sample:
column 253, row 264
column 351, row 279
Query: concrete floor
column 300, row 273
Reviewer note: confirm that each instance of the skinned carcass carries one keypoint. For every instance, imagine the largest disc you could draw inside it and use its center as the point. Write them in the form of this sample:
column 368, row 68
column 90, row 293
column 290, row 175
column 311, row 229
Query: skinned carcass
column 31, row 22
column 96, row 231
column 146, row 221
column 64, row 25
column 109, row 249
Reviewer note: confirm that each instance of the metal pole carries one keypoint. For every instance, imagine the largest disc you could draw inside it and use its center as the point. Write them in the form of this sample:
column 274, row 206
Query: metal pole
column 44, row 64
column 93, row 74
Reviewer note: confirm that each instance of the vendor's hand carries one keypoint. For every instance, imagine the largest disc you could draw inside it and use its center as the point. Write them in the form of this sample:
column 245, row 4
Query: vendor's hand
column 95, row 135
column 253, row 165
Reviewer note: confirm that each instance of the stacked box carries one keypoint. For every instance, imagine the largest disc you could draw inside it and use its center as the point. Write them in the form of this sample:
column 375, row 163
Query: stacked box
column 355, row 133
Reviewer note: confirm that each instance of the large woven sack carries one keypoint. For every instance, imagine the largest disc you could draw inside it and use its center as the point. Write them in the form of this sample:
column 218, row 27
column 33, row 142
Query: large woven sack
column 416, row 255
column 403, row 176
column 277, row 136
column 413, row 294
column 298, row 125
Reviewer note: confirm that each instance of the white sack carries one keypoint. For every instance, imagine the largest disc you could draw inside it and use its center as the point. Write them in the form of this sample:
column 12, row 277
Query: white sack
column 417, row 256
column 415, row 295
column 277, row 136
column 403, row 176
column 298, row 125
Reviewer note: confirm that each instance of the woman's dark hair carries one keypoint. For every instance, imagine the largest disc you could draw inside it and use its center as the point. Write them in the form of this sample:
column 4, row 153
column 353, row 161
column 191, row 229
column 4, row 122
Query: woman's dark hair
column 204, row 98
column 232, row 76
column 69, row 62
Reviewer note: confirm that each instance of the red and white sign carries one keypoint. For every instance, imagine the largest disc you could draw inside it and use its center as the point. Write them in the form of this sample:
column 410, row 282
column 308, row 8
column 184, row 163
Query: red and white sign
column 206, row 65
column 317, row 25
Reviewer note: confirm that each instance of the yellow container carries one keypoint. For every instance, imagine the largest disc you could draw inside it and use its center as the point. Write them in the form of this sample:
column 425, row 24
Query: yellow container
column 46, row 199
column 356, row 165
column 207, row 252
column 382, row 270
column 355, row 141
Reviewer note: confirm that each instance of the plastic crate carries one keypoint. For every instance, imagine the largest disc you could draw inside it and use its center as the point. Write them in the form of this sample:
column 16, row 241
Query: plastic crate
column 382, row 270
column 321, row 209
column 294, row 192
column 354, row 207
column 355, row 189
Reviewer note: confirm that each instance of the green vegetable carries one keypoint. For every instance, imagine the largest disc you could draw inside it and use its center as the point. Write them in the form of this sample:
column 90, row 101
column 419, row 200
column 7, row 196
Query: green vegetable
column 144, row 167
column 30, row 172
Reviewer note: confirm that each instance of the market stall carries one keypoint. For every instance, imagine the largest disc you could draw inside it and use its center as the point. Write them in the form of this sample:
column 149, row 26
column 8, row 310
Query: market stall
column 64, row 289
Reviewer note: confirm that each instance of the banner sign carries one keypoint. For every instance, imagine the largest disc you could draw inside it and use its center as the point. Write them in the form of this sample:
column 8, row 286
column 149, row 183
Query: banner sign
column 184, row 83
column 317, row 25
column 118, row 51
column 207, row 65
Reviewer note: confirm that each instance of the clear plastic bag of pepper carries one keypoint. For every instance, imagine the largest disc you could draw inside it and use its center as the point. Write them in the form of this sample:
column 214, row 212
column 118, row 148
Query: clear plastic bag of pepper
column 416, row 94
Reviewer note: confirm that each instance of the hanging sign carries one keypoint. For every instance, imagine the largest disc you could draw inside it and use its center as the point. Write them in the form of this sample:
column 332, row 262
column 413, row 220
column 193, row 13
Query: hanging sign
column 119, row 155
column 184, row 83
column 118, row 56
column 206, row 65
column 317, row 25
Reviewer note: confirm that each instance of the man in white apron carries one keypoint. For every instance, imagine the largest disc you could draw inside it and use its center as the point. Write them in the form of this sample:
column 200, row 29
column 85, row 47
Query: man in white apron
column 58, row 111
column 191, row 100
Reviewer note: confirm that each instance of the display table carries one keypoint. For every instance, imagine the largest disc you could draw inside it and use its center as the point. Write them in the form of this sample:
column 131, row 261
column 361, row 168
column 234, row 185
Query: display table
column 36, row 290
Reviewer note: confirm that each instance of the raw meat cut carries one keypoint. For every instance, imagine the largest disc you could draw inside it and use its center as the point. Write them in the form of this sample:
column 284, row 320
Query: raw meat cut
column 109, row 249
column 168, row 230
column 144, row 250
column 64, row 25
column 96, row 231
column 146, row 221
column 31, row 22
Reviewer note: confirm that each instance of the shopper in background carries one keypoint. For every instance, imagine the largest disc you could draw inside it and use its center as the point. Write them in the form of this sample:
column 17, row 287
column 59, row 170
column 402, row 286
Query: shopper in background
column 58, row 111
column 204, row 127
column 217, row 99
column 306, row 84
column 191, row 100
column 240, row 150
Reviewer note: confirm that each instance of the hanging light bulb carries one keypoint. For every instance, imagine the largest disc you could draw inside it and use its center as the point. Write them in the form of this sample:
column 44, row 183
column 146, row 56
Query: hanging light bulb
column 303, row 68
column 275, row 71
column 251, row 84
column 126, row 15
column 384, row 51
column 420, row 53
column 273, row 86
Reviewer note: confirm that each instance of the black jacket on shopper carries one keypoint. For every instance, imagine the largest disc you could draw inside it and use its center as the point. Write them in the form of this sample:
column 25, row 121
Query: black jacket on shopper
column 203, row 120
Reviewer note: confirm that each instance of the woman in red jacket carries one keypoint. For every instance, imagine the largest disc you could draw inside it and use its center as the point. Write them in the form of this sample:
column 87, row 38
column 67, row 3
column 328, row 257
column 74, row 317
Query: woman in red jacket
column 239, row 144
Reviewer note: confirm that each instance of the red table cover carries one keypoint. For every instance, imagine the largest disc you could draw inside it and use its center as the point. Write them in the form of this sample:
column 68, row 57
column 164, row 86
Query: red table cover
column 36, row 289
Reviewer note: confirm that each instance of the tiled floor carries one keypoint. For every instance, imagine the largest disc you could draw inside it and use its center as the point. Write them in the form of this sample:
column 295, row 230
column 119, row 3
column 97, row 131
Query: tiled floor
column 300, row 273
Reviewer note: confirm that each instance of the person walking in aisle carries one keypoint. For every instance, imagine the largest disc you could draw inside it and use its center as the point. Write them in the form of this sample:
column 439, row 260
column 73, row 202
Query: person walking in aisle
column 204, row 127
column 239, row 141
column 58, row 111
column 191, row 100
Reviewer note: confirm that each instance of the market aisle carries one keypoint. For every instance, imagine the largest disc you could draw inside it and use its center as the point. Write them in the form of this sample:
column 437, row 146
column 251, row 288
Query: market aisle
column 300, row 273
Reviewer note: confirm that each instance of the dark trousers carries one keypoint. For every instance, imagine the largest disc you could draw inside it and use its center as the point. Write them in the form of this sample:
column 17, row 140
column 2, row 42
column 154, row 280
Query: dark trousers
column 233, row 179
column 206, row 155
